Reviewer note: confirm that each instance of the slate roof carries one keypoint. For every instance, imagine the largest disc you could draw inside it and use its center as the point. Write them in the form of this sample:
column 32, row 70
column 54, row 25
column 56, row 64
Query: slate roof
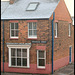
column 4, row 6
column 18, row 9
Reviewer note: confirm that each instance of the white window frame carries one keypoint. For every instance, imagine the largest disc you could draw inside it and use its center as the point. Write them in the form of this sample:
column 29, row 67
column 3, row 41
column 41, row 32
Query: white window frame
column 69, row 29
column 72, row 20
column 21, row 47
column 56, row 28
column 13, row 29
column 32, row 30
column 43, row 67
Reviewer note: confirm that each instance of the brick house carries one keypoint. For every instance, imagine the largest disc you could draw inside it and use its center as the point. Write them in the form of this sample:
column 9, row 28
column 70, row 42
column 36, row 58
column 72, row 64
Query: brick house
column 26, row 36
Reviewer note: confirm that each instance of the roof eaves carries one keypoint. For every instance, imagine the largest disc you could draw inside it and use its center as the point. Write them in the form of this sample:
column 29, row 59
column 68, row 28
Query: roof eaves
column 28, row 19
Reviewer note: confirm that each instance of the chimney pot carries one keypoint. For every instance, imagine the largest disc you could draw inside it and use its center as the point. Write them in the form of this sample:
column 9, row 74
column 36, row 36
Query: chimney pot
column 12, row 1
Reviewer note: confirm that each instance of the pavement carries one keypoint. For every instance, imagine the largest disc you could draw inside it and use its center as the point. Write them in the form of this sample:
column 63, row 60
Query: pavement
column 67, row 70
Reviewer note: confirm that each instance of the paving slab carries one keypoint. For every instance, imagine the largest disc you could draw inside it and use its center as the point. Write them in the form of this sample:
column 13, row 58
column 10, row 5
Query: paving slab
column 67, row 70
column 14, row 74
column 72, row 73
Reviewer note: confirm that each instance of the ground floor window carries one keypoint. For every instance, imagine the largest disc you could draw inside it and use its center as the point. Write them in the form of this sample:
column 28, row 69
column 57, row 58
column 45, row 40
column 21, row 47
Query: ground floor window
column 19, row 57
column 41, row 59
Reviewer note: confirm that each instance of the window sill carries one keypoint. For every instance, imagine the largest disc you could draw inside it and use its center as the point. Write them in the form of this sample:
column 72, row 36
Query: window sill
column 13, row 37
column 31, row 38
column 18, row 67
column 42, row 68
column 69, row 36
column 55, row 37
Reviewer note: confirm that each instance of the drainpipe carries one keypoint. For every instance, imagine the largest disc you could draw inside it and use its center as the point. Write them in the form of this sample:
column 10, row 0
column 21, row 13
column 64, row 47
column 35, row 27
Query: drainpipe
column 3, row 46
column 52, row 40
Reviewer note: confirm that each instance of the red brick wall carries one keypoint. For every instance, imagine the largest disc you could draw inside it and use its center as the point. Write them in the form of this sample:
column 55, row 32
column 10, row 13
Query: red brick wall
column 42, row 34
column 63, row 41
column 73, row 41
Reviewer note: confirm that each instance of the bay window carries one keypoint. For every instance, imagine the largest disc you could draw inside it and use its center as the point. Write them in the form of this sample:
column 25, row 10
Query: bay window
column 18, row 57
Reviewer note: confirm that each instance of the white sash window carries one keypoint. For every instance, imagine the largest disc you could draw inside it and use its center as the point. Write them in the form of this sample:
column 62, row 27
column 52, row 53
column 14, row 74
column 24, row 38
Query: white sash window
column 41, row 59
column 32, row 30
column 18, row 56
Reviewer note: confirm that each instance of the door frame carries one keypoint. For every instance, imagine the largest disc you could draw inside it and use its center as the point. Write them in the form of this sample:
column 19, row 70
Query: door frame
column 71, row 54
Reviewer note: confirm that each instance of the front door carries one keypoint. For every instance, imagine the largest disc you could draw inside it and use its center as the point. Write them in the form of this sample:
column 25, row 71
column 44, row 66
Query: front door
column 70, row 54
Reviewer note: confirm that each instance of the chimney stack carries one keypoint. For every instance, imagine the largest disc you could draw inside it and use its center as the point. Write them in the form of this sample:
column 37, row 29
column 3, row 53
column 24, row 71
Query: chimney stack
column 12, row 1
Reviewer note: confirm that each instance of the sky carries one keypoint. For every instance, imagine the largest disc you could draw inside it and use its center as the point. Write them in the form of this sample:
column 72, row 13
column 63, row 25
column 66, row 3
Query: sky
column 70, row 6
column 69, row 3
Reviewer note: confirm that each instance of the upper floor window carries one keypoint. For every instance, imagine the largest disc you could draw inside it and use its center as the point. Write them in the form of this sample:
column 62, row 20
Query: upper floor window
column 13, row 30
column 41, row 59
column 69, row 29
column 32, row 30
column 56, row 27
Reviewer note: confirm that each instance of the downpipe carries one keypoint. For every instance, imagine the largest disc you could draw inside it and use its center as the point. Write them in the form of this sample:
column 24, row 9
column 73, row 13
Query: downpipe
column 53, row 39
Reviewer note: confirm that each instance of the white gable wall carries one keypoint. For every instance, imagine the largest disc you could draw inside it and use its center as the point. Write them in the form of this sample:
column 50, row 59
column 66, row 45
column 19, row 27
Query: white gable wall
column 70, row 6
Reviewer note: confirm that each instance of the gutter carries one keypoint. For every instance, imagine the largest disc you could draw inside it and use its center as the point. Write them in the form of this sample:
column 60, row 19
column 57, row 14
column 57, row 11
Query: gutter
column 53, row 40
column 3, row 46
column 29, row 19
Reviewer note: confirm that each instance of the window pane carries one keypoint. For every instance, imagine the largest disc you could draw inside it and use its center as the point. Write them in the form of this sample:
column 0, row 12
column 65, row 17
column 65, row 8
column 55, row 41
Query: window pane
column 13, row 52
column 30, row 25
column 13, row 61
column 34, row 25
column 24, row 52
column 30, row 32
column 24, row 62
column 18, row 61
column 16, row 32
column 41, row 54
column 16, row 25
column 55, row 26
column 55, row 32
column 12, row 25
column 18, row 52
column 41, row 62
column 69, row 29
column 55, row 29
column 35, row 32
column 12, row 32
